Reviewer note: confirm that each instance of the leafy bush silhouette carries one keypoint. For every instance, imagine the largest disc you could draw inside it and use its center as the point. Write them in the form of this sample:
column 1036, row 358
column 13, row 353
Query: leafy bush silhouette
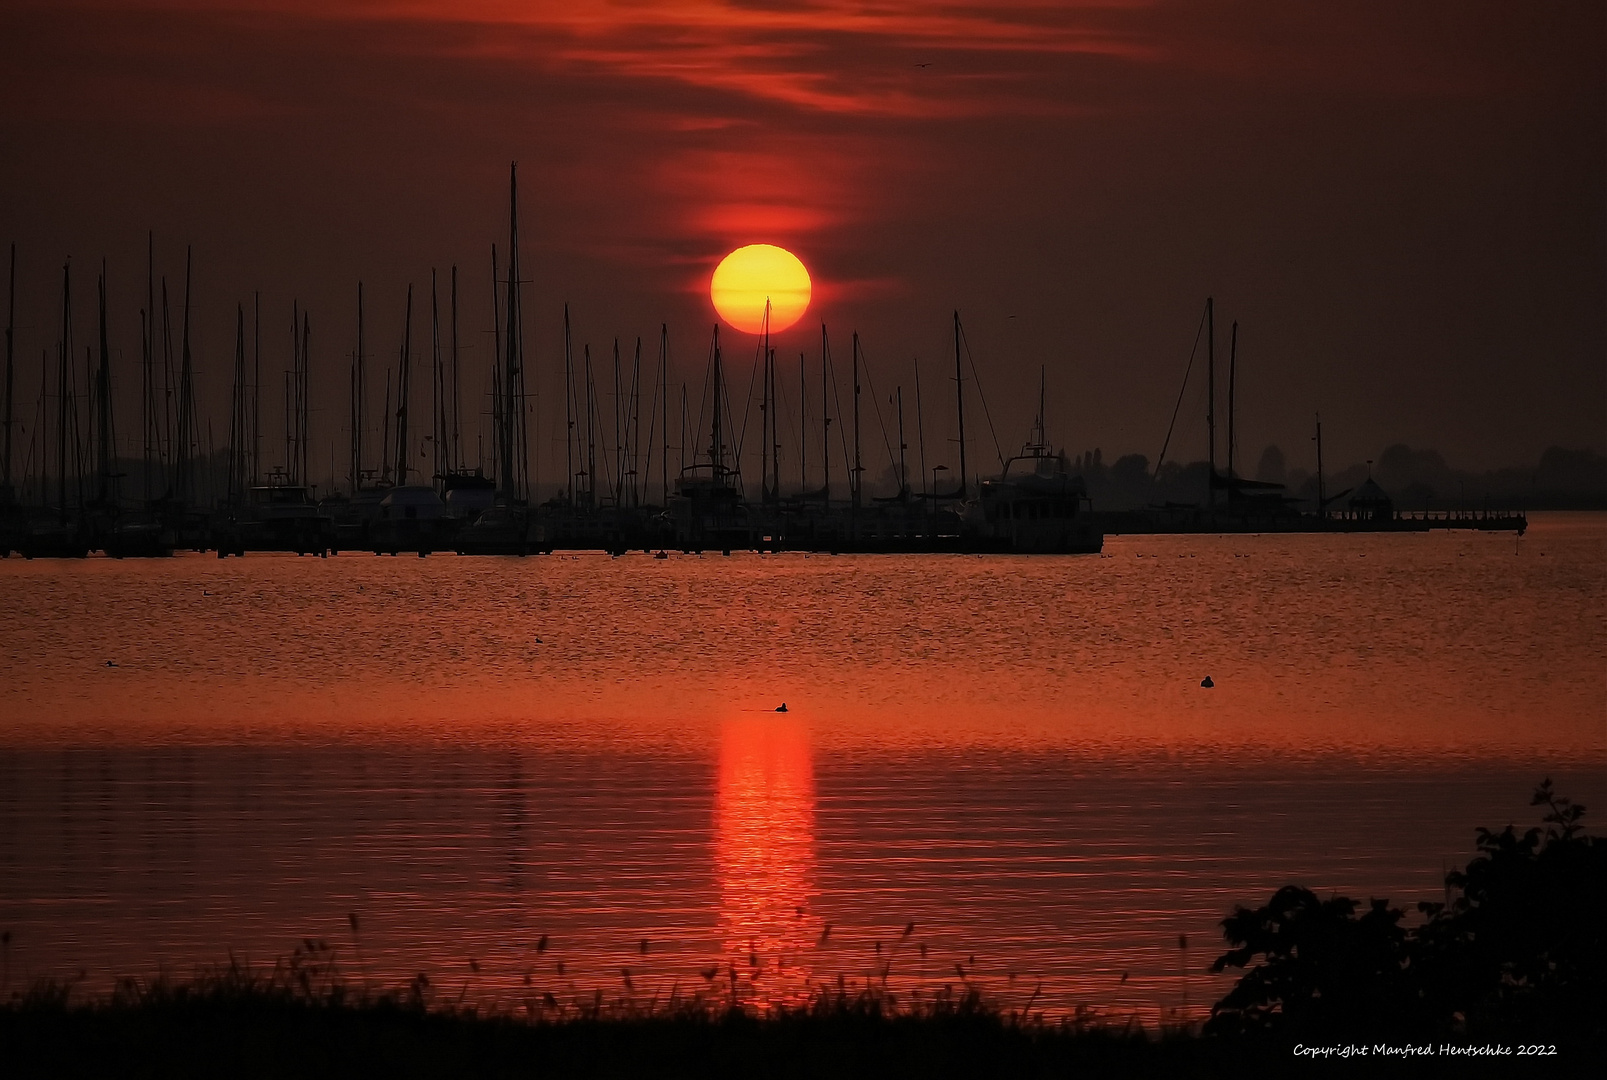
column 1524, row 947
column 1521, row 951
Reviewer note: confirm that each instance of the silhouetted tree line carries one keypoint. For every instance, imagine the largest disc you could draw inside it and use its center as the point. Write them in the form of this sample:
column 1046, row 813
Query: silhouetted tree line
column 1563, row 479
column 1519, row 953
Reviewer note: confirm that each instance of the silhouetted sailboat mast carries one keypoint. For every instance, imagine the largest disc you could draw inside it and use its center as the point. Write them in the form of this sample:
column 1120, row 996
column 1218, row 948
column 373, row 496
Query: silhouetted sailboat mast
column 6, row 494
column 184, row 456
column 63, row 388
column 105, row 434
column 825, row 416
column 238, row 417
column 402, row 379
column 571, row 407
column 513, row 452
column 591, row 429
column 385, row 433
column 150, row 441
column 256, row 387
column 1232, row 478
column 359, row 378
column 856, row 477
column 457, row 384
column 664, row 411
column 920, row 427
column 439, row 431
column 959, row 399
column 1210, row 397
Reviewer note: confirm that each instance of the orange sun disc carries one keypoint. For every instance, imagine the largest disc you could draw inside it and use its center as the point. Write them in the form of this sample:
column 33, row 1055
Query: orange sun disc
column 749, row 276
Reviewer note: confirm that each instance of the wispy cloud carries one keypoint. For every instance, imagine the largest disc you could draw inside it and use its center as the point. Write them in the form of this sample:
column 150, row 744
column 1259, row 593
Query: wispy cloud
column 897, row 58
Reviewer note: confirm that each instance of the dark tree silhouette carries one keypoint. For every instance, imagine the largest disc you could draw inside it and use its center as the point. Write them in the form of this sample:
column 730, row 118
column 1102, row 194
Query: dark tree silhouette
column 1323, row 968
column 1520, row 951
column 1525, row 942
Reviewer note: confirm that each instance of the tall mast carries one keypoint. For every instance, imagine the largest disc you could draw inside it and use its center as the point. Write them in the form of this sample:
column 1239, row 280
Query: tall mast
column 1233, row 369
column 437, row 383
column 385, row 437
column 775, row 433
column 959, row 395
column 11, row 324
column 1210, row 393
column 148, row 366
column 903, row 457
column 256, row 387
column 496, row 368
column 237, row 411
column 591, row 433
column 103, row 404
column 803, row 426
column 293, row 398
column 635, row 426
column 167, row 439
column 358, row 393
column 513, row 450
column 1322, row 501
column 303, row 396
column 716, row 447
column 185, row 462
column 169, row 383
column 402, row 380
column 352, row 466
column 63, row 355
column 457, row 384
column 41, row 432
column 290, row 435
column 920, row 426
column 1039, row 437
column 619, row 444
column 825, row 415
column 859, row 471
column 766, row 413
column 664, row 408
column 570, row 432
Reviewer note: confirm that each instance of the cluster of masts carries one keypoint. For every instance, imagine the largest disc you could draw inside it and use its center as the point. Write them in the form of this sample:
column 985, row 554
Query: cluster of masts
column 173, row 433
column 600, row 473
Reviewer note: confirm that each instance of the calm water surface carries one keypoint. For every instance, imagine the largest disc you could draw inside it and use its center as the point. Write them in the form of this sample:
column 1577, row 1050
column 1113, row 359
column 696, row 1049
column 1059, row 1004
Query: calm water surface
column 1013, row 754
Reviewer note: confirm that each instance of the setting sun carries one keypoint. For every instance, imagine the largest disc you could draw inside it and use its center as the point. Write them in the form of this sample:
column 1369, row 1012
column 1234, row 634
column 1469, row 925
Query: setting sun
column 749, row 276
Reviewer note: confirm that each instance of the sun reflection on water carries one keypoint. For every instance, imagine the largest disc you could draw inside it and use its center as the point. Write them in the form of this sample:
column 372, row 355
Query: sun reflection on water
column 765, row 855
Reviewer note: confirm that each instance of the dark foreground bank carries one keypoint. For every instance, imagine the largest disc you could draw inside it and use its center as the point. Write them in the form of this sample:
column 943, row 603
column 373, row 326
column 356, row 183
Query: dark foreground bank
column 221, row 1031
column 262, row 1032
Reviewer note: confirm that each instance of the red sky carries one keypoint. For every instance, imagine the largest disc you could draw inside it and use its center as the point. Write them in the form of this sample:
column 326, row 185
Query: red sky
column 1402, row 204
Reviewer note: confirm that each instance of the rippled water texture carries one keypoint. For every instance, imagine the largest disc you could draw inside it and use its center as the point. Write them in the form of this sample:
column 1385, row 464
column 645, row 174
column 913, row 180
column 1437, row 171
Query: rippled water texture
column 1014, row 754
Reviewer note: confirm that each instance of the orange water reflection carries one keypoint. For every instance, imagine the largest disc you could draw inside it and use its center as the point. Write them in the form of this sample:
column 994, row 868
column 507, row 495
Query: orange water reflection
column 765, row 856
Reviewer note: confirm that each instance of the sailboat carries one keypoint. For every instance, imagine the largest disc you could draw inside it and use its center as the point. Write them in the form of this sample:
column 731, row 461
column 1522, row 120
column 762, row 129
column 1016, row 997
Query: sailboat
column 708, row 509
column 506, row 527
column 1036, row 504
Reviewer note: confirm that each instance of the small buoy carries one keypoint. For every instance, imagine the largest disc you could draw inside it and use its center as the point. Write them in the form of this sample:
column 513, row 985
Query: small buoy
column 1207, row 683
column 782, row 707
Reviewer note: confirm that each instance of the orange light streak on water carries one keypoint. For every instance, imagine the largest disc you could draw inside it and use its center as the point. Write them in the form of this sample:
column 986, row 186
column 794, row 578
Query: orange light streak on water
column 765, row 855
